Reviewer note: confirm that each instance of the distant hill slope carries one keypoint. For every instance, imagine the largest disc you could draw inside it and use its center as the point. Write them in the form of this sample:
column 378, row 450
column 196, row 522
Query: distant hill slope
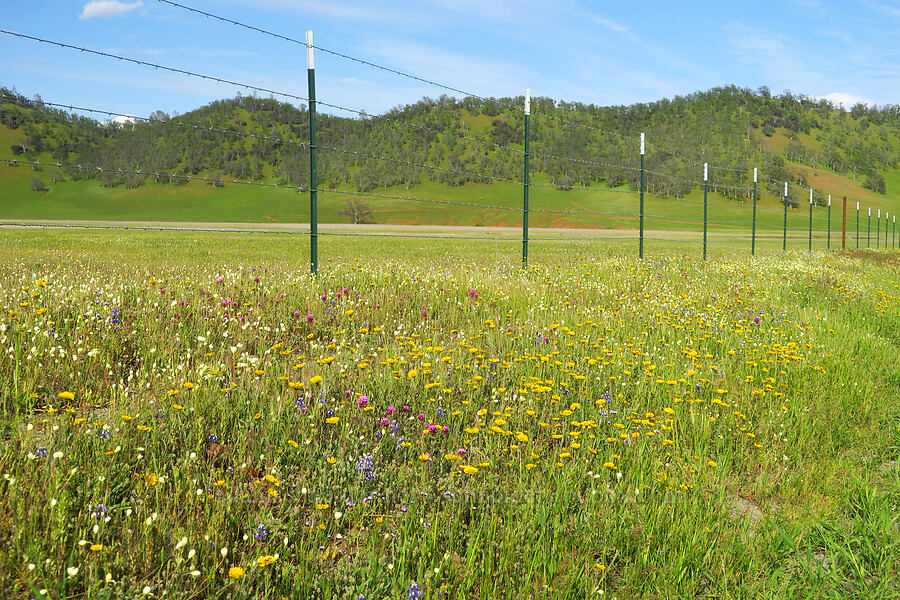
column 476, row 144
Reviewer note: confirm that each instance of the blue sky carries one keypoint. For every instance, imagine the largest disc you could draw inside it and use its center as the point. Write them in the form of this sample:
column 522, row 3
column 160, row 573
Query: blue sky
column 575, row 50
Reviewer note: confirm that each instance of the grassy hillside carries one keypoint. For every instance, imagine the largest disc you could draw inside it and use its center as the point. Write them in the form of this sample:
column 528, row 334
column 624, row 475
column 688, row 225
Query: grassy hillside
column 793, row 139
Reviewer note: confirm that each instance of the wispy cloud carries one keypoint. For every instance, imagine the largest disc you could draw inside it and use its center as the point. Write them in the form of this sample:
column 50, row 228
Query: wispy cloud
column 837, row 35
column 345, row 11
column 608, row 23
column 768, row 53
column 105, row 9
column 891, row 8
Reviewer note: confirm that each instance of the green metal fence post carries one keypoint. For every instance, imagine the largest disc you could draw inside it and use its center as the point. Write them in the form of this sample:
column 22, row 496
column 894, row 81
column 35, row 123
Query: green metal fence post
column 313, row 175
column 869, row 229
column 810, row 219
column 784, row 230
column 753, row 236
column 705, row 204
column 894, row 233
column 829, row 221
column 641, row 246
column 878, row 231
column 525, row 182
column 857, row 225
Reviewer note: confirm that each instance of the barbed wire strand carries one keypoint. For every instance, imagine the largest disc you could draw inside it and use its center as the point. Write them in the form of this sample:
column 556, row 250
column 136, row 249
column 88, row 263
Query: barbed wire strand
column 332, row 52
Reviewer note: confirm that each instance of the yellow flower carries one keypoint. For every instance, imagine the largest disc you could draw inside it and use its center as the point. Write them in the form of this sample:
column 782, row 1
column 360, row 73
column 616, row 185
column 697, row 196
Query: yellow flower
column 272, row 479
column 469, row 469
column 127, row 417
column 331, row 460
column 79, row 421
column 451, row 456
column 600, row 566
column 521, row 437
column 412, row 373
column 152, row 479
column 66, row 395
column 177, row 407
column 96, row 547
column 322, row 506
column 424, row 456
column 315, row 380
column 188, row 385
column 711, row 463
column 273, row 492
column 293, row 443
column 235, row 572
column 268, row 559
column 610, row 465
column 349, row 312
column 332, row 420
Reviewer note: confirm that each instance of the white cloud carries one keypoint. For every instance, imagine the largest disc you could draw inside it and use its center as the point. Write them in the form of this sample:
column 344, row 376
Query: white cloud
column 846, row 100
column 104, row 9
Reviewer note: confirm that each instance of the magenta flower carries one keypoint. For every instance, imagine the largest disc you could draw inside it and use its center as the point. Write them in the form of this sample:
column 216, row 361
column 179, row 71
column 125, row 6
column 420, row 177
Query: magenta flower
column 391, row 410
column 362, row 401
column 309, row 318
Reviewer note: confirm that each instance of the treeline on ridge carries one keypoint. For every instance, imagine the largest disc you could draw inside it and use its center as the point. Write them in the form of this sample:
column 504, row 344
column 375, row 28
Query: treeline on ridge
column 573, row 144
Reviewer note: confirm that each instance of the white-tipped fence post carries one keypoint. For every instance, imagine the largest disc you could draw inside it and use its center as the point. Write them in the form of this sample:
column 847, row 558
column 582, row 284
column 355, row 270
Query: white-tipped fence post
column 525, row 182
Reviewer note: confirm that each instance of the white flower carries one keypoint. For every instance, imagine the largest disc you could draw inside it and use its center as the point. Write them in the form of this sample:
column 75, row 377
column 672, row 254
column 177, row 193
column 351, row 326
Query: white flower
column 32, row 566
column 223, row 552
column 195, row 573
column 147, row 589
column 72, row 571
column 181, row 543
column 57, row 454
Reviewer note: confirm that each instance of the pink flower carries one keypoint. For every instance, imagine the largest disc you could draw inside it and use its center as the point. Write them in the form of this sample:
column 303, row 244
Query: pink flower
column 391, row 410
column 362, row 401
column 420, row 417
column 296, row 314
column 385, row 421
column 309, row 318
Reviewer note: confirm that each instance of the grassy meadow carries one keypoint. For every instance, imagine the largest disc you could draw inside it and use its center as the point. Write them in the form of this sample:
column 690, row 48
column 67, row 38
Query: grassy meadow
column 194, row 415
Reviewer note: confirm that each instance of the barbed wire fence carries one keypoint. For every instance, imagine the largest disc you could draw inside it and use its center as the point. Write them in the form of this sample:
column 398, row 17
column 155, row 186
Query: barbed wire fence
column 735, row 230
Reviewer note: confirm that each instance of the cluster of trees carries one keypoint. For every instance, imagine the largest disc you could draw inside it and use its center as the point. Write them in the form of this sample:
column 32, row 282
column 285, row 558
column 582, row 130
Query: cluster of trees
column 574, row 144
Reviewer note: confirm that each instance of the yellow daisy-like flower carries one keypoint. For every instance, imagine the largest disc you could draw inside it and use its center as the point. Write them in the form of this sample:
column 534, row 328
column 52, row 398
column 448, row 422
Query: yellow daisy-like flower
column 331, row 460
column 236, row 572
column 332, row 420
column 424, row 456
column 315, row 380
column 268, row 559
column 412, row 373
column 610, row 465
column 469, row 469
column 96, row 547
column 711, row 463
column 322, row 506
column 187, row 385
column 66, row 395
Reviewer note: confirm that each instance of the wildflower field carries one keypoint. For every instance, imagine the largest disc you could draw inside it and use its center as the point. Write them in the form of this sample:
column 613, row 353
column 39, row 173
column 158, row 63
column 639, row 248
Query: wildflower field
column 194, row 415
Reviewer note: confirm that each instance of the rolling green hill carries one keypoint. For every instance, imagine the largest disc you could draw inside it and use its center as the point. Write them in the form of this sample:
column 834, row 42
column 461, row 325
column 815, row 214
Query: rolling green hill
column 475, row 150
